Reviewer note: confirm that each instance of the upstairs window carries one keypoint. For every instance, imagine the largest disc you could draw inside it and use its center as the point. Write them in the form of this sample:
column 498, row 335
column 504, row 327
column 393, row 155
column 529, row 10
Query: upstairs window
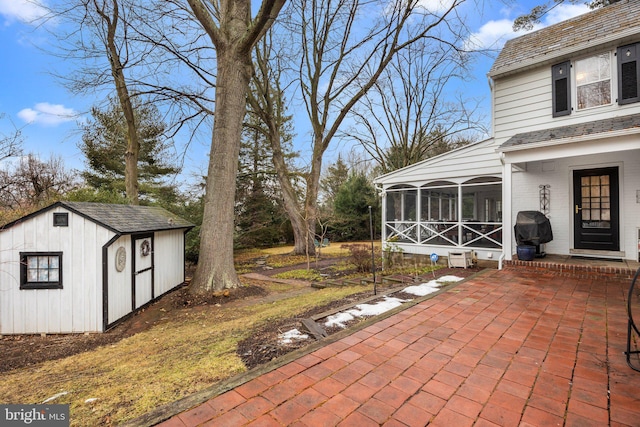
column 628, row 74
column 588, row 82
column 593, row 81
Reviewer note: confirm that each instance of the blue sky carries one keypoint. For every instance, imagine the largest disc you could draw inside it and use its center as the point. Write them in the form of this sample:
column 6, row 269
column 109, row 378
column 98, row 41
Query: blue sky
column 33, row 101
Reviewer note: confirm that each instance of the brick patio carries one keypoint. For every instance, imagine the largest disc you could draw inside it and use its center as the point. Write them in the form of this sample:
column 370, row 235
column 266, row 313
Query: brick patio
column 505, row 348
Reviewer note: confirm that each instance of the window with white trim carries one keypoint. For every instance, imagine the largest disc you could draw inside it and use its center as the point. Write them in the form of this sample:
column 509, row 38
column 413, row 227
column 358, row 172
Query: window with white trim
column 41, row 270
column 593, row 81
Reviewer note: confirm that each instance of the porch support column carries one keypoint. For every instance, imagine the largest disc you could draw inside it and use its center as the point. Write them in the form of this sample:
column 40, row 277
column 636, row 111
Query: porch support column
column 507, row 215
column 383, row 232
column 460, row 231
column 418, row 213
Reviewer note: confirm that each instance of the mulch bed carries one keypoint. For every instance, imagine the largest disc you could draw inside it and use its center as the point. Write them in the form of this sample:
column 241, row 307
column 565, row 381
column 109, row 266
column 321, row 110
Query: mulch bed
column 264, row 344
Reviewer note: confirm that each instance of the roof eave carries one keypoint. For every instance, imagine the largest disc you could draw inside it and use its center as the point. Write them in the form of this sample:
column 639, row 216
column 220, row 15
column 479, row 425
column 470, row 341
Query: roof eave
column 381, row 178
column 568, row 140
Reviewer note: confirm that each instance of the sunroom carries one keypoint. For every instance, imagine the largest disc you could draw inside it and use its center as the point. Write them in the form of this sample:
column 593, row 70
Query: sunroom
column 447, row 204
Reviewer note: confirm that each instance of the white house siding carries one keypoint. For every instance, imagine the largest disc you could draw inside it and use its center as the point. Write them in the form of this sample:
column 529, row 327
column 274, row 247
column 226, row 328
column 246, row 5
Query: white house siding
column 558, row 173
column 457, row 166
column 523, row 102
column 74, row 308
column 119, row 282
column 169, row 260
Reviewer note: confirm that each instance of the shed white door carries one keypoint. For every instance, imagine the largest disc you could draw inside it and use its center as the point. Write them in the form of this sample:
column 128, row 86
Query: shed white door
column 143, row 270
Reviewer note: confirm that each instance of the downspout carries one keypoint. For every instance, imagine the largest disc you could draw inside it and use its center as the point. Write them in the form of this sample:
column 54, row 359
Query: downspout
column 502, row 255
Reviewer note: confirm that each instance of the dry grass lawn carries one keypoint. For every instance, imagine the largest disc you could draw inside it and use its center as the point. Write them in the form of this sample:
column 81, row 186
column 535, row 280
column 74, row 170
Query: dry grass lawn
column 192, row 349
column 189, row 350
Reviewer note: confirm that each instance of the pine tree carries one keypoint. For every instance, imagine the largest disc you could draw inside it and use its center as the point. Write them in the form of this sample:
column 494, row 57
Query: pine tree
column 335, row 177
column 104, row 142
column 352, row 203
column 260, row 219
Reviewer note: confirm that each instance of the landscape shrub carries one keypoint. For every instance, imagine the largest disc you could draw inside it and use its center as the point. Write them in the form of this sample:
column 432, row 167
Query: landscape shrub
column 360, row 256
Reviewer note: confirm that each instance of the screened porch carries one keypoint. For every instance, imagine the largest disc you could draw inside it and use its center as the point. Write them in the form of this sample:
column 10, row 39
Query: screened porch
column 443, row 213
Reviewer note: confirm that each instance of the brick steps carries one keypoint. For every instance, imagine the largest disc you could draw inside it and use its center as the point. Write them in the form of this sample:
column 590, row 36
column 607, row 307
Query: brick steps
column 579, row 270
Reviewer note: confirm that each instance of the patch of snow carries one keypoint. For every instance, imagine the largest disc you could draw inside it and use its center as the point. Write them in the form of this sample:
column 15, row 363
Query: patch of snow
column 289, row 336
column 421, row 290
column 361, row 310
column 431, row 286
column 447, row 279
column 339, row 319
column 55, row 396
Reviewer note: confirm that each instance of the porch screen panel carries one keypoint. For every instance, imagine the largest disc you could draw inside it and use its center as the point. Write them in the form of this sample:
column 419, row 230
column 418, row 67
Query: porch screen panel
column 596, row 201
column 410, row 205
column 482, row 214
column 394, row 206
column 439, row 204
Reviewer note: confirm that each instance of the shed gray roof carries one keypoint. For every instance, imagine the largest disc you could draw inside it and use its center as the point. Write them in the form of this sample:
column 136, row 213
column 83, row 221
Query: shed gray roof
column 590, row 128
column 616, row 21
column 122, row 219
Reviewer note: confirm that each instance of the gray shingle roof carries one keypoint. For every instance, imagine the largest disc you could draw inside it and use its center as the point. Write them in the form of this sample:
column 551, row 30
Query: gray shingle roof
column 590, row 128
column 616, row 21
column 123, row 219
column 128, row 218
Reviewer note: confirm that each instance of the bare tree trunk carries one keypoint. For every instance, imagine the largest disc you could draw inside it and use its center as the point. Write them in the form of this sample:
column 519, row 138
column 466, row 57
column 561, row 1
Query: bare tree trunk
column 313, row 187
column 117, row 71
column 289, row 196
column 234, row 34
column 215, row 265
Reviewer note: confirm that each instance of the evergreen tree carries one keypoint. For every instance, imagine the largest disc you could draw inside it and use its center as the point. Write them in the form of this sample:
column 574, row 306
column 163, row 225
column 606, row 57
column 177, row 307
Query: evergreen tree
column 351, row 204
column 335, row 177
column 428, row 145
column 104, row 142
column 260, row 219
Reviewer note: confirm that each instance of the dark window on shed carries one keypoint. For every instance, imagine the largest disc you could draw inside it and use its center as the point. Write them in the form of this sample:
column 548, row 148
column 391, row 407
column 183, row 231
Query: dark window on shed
column 561, row 90
column 628, row 74
column 41, row 270
column 61, row 219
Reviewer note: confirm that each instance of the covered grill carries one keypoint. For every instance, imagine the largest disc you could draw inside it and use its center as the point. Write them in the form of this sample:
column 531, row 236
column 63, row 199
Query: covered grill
column 532, row 229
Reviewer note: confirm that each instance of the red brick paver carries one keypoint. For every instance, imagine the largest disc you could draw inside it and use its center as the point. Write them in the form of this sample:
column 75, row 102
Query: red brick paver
column 506, row 348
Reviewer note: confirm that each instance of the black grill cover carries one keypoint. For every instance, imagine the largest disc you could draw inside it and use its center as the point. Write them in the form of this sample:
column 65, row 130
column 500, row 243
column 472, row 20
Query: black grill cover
column 532, row 228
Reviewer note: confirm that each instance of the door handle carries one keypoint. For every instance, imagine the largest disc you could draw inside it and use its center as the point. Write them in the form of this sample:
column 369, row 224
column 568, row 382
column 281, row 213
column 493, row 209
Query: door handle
column 578, row 208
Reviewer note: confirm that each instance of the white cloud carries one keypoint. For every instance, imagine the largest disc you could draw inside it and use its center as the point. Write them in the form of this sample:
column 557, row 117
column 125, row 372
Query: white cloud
column 493, row 34
column 22, row 10
column 564, row 12
column 47, row 114
column 436, row 6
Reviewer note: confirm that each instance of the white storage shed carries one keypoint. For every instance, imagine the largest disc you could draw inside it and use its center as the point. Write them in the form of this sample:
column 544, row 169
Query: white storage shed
column 81, row 267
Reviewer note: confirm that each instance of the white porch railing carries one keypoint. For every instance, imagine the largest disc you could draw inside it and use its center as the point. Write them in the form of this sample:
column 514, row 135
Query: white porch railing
column 446, row 233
